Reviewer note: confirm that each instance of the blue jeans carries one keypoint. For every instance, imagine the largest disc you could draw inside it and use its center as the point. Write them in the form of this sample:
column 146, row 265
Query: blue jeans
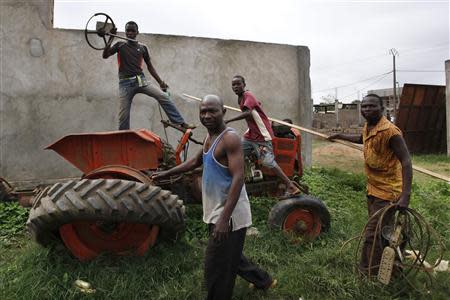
column 130, row 87
column 263, row 150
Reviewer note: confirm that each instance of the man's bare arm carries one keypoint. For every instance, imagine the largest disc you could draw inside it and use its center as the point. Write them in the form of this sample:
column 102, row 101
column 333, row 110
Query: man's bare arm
column 398, row 146
column 155, row 75
column 353, row 138
column 107, row 51
column 188, row 165
column 235, row 155
column 244, row 115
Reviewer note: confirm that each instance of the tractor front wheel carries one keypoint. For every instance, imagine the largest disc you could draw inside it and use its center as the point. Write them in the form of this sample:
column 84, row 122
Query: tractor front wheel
column 93, row 216
column 303, row 216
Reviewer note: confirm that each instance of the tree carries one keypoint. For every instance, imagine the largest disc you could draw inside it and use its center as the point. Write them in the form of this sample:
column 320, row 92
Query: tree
column 328, row 99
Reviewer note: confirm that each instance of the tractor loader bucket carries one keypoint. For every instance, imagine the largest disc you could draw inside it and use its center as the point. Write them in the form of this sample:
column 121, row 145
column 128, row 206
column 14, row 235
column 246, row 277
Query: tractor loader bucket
column 139, row 149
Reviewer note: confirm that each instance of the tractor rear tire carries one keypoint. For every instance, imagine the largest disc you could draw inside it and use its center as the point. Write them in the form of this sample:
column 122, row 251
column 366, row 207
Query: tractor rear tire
column 310, row 211
column 106, row 200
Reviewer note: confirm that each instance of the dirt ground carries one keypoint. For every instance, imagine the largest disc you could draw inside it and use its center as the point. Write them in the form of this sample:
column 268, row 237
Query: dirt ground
column 327, row 154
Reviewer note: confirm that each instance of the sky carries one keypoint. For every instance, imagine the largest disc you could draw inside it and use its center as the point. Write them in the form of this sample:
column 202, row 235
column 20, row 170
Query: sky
column 349, row 40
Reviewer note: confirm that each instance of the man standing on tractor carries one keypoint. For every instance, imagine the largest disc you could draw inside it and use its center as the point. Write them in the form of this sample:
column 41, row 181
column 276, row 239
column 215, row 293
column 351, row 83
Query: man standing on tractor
column 389, row 174
column 226, row 208
column 130, row 57
column 258, row 138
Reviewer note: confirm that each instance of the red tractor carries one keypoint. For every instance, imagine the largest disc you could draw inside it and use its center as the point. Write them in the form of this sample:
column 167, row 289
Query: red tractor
column 115, row 207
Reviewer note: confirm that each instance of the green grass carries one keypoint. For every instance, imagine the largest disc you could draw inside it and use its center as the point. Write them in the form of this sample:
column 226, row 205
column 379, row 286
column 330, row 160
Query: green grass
column 439, row 163
column 433, row 159
column 12, row 218
column 316, row 270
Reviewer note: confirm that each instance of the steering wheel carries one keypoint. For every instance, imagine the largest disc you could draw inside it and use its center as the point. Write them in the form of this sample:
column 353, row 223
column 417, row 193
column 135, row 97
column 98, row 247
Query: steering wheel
column 101, row 31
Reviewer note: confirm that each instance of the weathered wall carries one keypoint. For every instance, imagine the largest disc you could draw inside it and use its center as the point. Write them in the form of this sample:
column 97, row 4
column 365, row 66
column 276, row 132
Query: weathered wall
column 53, row 84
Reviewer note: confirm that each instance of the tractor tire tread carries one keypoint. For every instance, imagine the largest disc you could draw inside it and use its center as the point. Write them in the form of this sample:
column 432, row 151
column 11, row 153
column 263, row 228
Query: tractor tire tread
column 110, row 200
column 60, row 190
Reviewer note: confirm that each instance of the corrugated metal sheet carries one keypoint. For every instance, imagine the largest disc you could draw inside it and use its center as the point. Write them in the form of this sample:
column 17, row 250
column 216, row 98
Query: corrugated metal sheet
column 421, row 117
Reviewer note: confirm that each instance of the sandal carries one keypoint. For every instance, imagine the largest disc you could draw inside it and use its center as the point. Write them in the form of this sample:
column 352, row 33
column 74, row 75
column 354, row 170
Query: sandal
column 300, row 189
column 181, row 127
column 187, row 126
column 303, row 187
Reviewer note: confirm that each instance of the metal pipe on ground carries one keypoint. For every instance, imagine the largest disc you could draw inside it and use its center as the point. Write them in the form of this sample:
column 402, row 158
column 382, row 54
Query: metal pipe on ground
column 324, row 136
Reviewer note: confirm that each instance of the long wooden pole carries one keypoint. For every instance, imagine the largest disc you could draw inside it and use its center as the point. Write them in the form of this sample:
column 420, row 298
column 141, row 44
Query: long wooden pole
column 319, row 134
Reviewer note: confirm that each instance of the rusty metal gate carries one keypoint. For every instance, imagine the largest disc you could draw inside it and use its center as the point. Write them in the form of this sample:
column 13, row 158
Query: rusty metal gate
column 421, row 117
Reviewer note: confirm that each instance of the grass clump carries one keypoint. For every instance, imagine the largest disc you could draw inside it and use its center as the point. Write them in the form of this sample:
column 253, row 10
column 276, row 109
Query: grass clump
column 312, row 270
column 12, row 222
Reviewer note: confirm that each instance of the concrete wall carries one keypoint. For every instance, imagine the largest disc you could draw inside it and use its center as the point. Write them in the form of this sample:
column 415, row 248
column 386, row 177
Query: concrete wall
column 53, row 84
column 447, row 103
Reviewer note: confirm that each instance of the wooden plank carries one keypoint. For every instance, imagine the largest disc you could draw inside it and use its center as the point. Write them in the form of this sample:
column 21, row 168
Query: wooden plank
column 319, row 134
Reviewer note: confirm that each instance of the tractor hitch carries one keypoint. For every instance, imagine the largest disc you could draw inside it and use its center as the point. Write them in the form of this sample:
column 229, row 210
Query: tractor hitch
column 9, row 194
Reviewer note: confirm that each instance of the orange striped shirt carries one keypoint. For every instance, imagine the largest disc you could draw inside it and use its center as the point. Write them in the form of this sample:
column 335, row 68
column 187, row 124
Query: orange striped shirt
column 383, row 169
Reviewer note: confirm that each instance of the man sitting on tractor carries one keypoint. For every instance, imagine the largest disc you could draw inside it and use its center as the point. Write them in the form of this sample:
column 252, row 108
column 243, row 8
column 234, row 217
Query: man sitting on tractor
column 258, row 138
column 226, row 208
column 130, row 57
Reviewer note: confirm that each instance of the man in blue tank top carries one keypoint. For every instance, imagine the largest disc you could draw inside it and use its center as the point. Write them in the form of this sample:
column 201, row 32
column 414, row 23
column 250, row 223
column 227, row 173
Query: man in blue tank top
column 226, row 208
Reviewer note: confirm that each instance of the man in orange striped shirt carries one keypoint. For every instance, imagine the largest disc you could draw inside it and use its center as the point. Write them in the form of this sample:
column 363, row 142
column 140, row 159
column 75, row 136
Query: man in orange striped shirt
column 388, row 168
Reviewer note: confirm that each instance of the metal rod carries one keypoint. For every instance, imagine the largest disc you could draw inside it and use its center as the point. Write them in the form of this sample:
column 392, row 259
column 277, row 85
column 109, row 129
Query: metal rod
column 348, row 144
column 290, row 125
column 120, row 37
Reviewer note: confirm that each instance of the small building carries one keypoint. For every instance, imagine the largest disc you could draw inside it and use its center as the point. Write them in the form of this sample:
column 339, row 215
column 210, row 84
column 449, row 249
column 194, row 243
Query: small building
column 348, row 115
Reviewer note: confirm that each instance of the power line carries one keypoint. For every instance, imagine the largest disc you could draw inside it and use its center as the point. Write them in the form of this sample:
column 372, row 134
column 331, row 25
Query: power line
column 353, row 62
column 390, row 1
column 353, row 83
column 424, row 71
column 364, row 88
column 407, row 51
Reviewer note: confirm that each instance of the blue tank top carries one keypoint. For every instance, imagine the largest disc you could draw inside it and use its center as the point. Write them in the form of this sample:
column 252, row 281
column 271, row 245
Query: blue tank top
column 216, row 182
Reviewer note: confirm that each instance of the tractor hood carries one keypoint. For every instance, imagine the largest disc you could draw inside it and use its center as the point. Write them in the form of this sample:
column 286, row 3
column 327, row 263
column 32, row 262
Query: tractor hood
column 140, row 149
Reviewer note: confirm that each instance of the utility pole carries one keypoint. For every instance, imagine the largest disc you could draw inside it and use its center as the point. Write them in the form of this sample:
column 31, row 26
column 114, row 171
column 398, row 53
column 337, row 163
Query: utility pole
column 359, row 108
column 394, row 53
column 336, row 106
